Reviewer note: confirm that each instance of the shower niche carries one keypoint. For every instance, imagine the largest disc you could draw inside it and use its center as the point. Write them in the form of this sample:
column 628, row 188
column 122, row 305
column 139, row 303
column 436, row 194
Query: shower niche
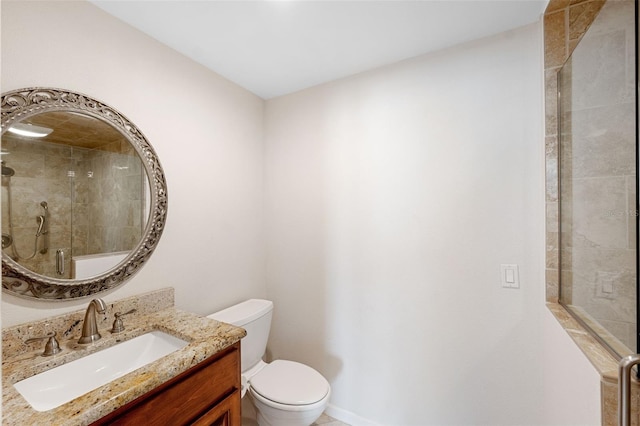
column 598, row 179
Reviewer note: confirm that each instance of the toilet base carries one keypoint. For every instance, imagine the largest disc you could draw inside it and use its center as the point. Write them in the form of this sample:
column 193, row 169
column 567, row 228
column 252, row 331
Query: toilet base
column 284, row 422
column 271, row 416
column 251, row 416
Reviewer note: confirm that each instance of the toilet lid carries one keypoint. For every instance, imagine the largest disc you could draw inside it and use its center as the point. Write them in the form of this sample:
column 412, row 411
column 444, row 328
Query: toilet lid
column 290, row 383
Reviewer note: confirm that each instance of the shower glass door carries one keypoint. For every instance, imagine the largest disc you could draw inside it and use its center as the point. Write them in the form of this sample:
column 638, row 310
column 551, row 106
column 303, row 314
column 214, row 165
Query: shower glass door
column 38, row 177
column 598, row 179
column 64, row 202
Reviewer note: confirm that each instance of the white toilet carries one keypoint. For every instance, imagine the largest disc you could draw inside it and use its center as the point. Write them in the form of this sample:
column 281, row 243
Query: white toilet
column 284, row 393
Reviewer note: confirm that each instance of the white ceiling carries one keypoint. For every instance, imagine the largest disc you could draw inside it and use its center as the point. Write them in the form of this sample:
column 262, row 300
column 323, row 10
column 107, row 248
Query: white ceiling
column 277, row 47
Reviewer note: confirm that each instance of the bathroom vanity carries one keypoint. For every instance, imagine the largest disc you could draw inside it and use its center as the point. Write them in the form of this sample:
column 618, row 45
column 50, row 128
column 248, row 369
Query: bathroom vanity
column 207, row 394
column 197, row 384
column 157, row 365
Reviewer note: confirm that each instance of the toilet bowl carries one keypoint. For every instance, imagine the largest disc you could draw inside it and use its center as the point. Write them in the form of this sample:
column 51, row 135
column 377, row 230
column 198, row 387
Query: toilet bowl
column 284, row 393
column 287, row 393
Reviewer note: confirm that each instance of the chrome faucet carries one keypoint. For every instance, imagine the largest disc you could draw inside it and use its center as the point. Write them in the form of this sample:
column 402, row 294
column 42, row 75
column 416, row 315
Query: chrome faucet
column 90, row 326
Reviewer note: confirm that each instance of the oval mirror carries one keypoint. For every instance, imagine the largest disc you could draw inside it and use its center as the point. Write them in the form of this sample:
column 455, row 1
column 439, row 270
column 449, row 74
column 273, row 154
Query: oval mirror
column 84, row 198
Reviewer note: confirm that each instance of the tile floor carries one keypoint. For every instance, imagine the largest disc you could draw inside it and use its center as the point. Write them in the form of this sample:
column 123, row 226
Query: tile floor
column 325, row 420
column 249, row 420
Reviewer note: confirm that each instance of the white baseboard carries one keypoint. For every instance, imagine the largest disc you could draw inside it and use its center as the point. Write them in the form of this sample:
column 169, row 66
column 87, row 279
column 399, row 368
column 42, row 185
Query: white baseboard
column 347, row 417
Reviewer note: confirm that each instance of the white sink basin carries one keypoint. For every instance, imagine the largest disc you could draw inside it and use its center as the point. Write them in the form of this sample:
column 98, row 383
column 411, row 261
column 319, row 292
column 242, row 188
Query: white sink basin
column 57, row 386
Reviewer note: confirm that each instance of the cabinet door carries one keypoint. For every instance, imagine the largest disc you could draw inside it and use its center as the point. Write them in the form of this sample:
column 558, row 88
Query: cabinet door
column 185, row 397
column 226, row 413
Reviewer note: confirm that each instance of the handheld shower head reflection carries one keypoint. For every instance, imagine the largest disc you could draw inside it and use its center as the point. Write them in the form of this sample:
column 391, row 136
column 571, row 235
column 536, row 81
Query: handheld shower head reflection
column 41, row 221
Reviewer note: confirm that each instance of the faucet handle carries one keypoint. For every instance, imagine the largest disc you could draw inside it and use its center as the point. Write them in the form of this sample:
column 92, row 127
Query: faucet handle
column 52, row 346
column 118, row 325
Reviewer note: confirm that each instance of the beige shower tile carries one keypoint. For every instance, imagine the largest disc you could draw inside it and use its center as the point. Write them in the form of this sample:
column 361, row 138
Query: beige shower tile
column 581, row 15
column 604, row 283
column 572, row 46
column 551, row 101
column 552, row 217
column 552, row 253
column 566, row 259
column 552, row 287
column 566, row 287
column 633, row 212
column 555, row 39
column 26, row 164
column 609, row 391
column 600, row 71
column 556, row 5
column 551, row 179
column 551, row 146
column 622, row 331
column 599, row 212
column 609, row 397
column 604, row 142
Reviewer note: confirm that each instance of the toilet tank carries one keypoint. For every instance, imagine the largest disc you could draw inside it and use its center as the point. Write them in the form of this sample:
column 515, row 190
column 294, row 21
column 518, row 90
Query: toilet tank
column 254, row 316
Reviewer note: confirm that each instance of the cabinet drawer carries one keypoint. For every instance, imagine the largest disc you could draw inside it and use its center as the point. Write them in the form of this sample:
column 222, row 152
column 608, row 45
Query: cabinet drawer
column 186, row 397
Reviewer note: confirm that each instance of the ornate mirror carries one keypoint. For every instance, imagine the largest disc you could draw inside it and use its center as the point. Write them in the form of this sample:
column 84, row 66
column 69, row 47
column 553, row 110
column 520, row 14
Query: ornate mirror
column 84, row 198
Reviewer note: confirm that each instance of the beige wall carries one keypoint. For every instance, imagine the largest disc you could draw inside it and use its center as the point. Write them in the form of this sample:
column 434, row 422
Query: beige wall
column 207, row 133
column 392, row 199
column 395, row 297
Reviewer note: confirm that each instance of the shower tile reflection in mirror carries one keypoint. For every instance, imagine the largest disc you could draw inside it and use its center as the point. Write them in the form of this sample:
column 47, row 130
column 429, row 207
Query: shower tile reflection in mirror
column 95, row 190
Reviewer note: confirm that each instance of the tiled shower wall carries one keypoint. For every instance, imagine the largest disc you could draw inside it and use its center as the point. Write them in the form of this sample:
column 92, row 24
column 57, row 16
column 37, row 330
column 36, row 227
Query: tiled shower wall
column 40, row 176
column 114, row 200
column 565, row 22
column 102, row 189
column 597, row 189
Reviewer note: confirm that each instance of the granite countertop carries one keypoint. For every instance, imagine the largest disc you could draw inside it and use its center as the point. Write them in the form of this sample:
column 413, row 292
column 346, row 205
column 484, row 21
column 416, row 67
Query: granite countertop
column 206, row 337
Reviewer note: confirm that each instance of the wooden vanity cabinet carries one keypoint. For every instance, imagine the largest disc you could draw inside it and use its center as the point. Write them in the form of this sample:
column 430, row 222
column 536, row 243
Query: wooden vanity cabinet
column 205, row 395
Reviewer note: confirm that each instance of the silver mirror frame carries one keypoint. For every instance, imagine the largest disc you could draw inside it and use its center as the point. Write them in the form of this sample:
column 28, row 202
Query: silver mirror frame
column 19, row 281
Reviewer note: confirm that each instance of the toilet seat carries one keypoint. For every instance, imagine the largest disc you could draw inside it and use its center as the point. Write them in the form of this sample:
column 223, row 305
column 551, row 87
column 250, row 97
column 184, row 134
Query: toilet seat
column 289, row 383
